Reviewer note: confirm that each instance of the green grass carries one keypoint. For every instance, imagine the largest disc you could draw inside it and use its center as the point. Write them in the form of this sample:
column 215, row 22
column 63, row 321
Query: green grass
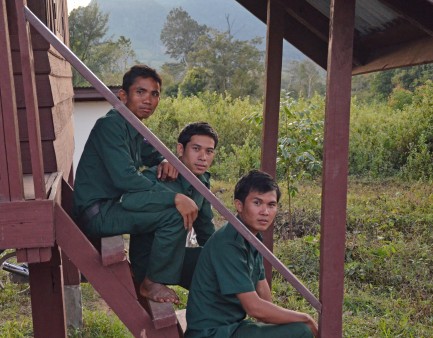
column 388, row 265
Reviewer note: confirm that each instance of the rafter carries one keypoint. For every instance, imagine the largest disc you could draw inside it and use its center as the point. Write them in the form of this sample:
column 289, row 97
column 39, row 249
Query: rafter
column 418, row 12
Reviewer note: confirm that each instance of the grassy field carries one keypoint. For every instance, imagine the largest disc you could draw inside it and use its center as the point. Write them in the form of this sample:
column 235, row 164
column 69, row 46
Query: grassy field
column 388, row 264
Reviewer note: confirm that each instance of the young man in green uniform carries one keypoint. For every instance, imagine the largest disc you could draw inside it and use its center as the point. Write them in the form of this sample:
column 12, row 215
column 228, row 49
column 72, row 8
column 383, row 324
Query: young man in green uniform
column 195, row 148
column 110, row 167
column 229, row 281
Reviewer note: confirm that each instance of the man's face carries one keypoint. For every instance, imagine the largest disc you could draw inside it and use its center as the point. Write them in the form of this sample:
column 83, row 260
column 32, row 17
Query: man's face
column 258, row 211
column 198, row 154
column 142, row 98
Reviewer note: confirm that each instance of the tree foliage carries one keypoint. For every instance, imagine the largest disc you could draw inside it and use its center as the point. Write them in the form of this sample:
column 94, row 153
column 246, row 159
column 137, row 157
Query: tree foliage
column 108, row 59
column 303, row 79
column 212, row 60
column 409, row 78
column 179, row 33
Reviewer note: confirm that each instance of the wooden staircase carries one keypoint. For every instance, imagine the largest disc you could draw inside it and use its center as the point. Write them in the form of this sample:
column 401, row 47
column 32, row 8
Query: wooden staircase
column 36, row 147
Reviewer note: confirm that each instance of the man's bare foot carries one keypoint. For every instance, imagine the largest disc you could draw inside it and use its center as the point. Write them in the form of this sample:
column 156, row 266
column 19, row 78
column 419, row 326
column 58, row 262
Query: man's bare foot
column 158, row 292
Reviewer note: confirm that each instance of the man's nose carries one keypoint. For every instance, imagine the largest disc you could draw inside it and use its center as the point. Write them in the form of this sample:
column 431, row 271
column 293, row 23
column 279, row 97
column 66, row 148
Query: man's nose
column 265, row 210
column 202, row 155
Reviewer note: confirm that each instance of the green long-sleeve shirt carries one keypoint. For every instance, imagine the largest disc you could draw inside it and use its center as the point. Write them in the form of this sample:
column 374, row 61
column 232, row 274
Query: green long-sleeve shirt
column 111, row 161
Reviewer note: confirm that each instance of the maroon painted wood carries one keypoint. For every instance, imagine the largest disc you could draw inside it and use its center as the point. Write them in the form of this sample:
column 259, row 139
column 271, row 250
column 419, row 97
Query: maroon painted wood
column 29, row 85
column 271, row 109
column 26, row 224
column 142, row 129
column 11, row 186
column 88, row 260
column 46, row 290
column 162, row 314
column 112, row 250
column 335, row 167
column 71, row 275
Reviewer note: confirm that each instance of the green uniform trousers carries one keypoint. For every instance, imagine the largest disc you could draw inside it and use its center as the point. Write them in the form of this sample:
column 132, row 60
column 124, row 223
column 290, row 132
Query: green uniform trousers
column 167, row 252
column 140, row 249
column 249, row 329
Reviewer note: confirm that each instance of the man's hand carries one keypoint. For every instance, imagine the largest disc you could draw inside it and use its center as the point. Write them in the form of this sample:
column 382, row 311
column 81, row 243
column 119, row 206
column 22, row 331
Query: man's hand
column 166, row 172
column 311, row 323
column 187, row 208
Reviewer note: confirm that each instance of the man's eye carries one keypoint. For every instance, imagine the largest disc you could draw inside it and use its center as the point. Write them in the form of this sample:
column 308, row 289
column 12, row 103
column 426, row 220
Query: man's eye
column 155, row 94
column 210, row 151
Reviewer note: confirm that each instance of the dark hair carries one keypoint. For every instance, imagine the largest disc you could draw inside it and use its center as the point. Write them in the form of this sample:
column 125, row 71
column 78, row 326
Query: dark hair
column 139, row 71
column 258, row 181
column 197, row 128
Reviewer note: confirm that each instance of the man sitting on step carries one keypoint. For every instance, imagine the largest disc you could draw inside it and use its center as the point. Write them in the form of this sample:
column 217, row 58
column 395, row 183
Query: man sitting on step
column 195, row 148
column 110, row 167
column 229, row 281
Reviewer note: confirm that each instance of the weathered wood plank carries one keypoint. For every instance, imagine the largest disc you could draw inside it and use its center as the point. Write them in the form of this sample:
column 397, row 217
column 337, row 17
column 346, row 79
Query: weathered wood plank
column 46, row 124
column 64, row 148
column 11, row 187
column 29, row 192
column 49, row 157
column 43, row 87
column 62, row 114
column 26, row 224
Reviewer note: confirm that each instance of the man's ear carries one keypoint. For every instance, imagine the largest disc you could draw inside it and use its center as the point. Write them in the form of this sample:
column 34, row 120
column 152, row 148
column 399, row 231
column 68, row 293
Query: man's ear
column 179, row 149
column 123, row 96
column 239, row 206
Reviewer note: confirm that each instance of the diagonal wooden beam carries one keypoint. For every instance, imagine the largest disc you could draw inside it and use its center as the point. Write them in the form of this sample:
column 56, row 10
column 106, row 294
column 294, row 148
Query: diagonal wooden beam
column 418, row 12
column 85, row 257
column 308, row 16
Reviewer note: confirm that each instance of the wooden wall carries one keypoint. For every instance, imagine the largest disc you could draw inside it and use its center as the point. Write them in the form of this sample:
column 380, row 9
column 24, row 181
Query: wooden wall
column 54, row 88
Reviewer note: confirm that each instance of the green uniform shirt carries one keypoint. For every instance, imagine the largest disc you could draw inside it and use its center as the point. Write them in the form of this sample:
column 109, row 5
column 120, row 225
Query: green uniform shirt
column 228, row 265
column 109, row 165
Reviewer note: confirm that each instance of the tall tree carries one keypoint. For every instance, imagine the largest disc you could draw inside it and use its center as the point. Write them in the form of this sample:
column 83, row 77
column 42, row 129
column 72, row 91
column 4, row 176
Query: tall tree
column 231, row 65
column 303, row 78
column 108, row 59
column 87, row 28
column 179, row 33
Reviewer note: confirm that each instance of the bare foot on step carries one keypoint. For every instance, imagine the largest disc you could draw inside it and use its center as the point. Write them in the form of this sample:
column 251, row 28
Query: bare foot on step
column 158, row 292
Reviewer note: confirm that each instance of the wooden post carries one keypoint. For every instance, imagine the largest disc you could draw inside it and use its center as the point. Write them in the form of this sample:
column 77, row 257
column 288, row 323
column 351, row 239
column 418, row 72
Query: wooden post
column 271, row 109
column 11, row 184
column 46, row 292
column 335, row 167
column 29, row 85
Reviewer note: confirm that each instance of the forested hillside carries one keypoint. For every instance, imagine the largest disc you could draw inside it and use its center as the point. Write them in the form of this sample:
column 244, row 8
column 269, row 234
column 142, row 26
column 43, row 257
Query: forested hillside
column 142, row 22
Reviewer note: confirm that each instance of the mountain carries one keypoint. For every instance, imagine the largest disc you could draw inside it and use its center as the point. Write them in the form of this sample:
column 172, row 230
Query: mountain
column 142, row 22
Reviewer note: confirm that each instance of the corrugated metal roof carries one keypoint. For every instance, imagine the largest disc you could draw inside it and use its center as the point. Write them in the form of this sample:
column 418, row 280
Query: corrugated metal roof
column 371, row 15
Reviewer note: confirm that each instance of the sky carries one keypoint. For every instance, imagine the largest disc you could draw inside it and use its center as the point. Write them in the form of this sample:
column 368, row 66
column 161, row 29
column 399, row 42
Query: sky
column 72, row 4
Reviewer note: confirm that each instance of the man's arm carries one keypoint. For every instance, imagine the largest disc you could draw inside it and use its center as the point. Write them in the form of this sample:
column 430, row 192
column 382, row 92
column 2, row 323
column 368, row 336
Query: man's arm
column 267, row 312
column 263, row 290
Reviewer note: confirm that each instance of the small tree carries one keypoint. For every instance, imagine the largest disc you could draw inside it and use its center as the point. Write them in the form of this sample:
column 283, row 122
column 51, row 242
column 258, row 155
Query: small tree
column 299, row 145
column 106, row 58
